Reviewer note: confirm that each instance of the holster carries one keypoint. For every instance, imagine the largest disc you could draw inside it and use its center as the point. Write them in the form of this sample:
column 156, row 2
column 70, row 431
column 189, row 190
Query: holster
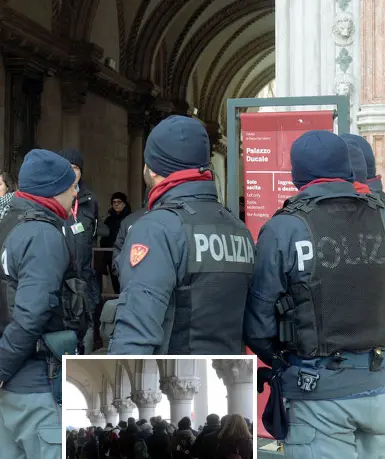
column 55, row 345
column 274, row 417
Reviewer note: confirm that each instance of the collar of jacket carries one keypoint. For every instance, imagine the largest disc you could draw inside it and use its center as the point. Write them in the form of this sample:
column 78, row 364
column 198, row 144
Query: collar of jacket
column 190, row 191
column 24, row 205
column 329, row 188
column 375, row 184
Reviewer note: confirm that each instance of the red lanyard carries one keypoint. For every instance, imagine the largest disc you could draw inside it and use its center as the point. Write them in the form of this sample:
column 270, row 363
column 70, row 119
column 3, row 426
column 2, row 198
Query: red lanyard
column 75, row 210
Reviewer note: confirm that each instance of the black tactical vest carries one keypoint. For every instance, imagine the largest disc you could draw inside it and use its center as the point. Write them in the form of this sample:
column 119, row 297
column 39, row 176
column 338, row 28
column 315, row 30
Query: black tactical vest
column 207, row 316
column 341, row 307
column 73, row 313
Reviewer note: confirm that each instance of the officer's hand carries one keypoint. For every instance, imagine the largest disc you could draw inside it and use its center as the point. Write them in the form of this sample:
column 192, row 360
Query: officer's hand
column 264, row 375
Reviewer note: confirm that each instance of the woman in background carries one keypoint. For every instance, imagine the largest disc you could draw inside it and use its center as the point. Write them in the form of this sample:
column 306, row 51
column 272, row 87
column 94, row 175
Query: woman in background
column 8, row 187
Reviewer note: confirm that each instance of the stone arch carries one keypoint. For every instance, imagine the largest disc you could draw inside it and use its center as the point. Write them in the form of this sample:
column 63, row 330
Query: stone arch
column 179, row 42
column 255, row 86
column 221, row 53
column 151, row 33
column 105, row 29
column 205, row 34
column 83, row 390
column 76, row 18
column 213, row 103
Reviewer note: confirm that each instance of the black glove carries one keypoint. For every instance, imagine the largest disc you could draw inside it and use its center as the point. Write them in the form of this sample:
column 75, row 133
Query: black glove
column 264, row 375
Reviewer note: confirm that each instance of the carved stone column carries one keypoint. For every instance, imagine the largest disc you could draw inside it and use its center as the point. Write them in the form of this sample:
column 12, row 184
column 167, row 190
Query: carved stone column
column 111, row 414
column 180, row 393
column 125, row 408
column 371, row 119
column 237, row 376
column 146, row 400
column 318, row 49
column 96, row 418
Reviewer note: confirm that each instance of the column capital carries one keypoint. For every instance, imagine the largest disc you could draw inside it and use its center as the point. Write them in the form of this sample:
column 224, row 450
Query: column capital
column 95, row 416
column 124, row 405
column 180, row 388
column 146, row 398
column 108, row 410
column 237, row 371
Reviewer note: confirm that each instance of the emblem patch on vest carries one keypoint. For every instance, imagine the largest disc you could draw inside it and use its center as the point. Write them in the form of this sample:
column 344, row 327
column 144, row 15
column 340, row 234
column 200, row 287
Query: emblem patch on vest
column 138, row 253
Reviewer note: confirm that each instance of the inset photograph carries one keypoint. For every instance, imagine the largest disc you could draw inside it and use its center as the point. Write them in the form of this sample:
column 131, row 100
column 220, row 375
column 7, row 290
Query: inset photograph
column 158, row 409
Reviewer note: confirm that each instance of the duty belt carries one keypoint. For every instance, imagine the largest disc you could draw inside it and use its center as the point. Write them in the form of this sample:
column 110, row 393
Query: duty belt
column 373, row 360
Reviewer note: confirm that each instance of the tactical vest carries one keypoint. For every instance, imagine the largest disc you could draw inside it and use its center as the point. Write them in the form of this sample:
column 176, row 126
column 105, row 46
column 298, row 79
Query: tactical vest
column 206, row 315
column 73, row 312
column 341, row 307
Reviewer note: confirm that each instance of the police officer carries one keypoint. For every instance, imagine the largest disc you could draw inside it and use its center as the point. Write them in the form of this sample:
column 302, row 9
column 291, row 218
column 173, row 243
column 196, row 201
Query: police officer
column 374, row 180
column 34, row 260
column 81, row 228
column 357, row 160
column 315, row 310
column 186, row 265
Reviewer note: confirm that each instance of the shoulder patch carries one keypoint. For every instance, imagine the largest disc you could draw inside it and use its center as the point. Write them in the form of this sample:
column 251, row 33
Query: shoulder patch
column 138, row 253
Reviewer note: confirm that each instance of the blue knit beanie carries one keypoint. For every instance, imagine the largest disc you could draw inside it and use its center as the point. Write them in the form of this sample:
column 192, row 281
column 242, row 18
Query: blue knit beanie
column 367, row 150
column 320, row 154
column 357, row 158
column 45, row 173
column 177, row 143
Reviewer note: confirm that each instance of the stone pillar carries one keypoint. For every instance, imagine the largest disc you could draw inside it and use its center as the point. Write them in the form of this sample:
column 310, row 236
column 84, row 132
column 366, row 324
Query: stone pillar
column 180, row 393
column 125, row 408
column 146, row 400
column 237, row 375
column 201, row 406
column 96, row 418
column 135, row 168
column 74, row 92
column 318, row 49
column 371, row 119
column 111, row 414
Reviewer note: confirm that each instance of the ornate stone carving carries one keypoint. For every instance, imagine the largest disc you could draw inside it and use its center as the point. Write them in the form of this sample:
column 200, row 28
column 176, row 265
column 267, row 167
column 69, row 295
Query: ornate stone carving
column 180, row 388
column 343, row 29
column 109, row 410
column 234, row 371
column 146, row 398
column 124, row 405
column 344, row 60
column 95, row 416
column 343, row 4
column 343, row 84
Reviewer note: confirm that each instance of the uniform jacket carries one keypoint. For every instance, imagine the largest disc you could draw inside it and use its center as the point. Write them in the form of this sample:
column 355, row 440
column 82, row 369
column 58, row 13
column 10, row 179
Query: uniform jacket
column 37, row 258
column 276, row 268
column 81, row 244
column 147, row 289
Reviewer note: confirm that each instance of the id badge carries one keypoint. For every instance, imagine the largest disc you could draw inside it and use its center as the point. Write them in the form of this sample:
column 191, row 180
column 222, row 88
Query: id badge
column 77, row 228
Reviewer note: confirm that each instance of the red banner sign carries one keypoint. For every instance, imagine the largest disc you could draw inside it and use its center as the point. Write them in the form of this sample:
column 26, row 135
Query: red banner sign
column 267, row 139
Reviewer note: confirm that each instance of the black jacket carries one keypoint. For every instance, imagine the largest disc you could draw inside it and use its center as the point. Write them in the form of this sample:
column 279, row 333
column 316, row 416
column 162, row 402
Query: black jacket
column 121, row 237
column 113, row 221
column 159, row 446
column 197, row 449
column 81, row 244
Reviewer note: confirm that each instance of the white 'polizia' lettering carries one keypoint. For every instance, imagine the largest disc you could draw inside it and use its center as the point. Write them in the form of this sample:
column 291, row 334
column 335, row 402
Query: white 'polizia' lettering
column 236, row 249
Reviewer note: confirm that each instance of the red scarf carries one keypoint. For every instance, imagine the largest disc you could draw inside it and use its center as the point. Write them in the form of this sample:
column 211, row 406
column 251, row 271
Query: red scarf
column 374, row 179
column 175, row 179
column 361, row 188
column 321, row 180
column 49, row 203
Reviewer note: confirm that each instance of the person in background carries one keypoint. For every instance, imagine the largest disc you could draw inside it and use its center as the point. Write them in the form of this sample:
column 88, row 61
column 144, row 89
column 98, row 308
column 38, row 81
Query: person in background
column 183, row 441
column 212, row 425
column 8, row 187
column 81, row 442
column 234, row 439
column 147, row 431
column 80, row 229
column 119, row 211
column 159, row 445
column 357, row 160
